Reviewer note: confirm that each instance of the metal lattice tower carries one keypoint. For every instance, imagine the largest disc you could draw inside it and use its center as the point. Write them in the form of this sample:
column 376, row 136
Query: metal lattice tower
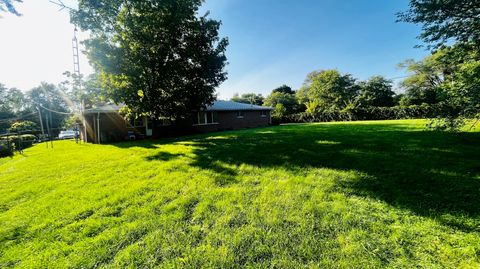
column 78, row 80
column 76, row 59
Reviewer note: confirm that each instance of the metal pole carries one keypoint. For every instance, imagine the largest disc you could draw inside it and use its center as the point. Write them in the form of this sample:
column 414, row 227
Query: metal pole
column 51, row 138
column 98, row 127
column 48, row 128
column 41, row 121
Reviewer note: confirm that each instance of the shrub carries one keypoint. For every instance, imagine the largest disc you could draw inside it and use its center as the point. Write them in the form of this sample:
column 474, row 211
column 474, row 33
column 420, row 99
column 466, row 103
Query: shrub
column 18, row 141
column 6, row 149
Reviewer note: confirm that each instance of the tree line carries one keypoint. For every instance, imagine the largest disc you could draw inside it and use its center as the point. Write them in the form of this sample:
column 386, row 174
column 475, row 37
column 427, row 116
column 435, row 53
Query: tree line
column 163, row 59
column 444, row 86
column 51, row 106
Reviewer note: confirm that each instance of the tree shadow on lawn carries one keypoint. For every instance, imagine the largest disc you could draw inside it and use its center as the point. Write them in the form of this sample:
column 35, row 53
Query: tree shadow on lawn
column 430, row 173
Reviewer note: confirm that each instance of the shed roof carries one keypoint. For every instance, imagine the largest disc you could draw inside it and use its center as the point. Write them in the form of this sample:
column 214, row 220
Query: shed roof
column 111, row 108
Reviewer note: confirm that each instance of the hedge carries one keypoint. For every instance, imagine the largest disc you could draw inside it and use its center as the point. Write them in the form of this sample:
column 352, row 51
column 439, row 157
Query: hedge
column 8, row 144
column 371, row 113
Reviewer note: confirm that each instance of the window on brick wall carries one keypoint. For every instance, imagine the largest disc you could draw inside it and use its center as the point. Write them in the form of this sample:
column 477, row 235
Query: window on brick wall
column 240, row 114
column 205, row 117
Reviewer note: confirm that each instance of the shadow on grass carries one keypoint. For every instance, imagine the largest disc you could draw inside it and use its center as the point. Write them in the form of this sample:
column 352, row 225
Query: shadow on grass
column 163, row 156
column 430, row 173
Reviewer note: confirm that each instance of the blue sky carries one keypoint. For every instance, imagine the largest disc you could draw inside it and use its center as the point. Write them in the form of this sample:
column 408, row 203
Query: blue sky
column 275, row 42
column 272, row 42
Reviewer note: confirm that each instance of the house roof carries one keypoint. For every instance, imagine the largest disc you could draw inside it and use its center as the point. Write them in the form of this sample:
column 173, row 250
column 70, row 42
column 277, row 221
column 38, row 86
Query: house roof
column 219, row 105
column 112, row 108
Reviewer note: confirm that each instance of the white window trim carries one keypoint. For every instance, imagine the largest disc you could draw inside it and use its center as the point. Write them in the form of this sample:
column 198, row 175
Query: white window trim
column 240, row 117
column 206, row 121
column 263, row 115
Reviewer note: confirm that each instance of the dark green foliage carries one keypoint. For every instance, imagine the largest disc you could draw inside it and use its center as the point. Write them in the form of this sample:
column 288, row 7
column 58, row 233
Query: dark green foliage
column 6, row 148
column 288, row 102
column 284, row 89
column 376, row 92
column 375, row 113
column 331, row 91
column 8, row 144
column 445, row 20
column 158, row 57
column 49, row 97
column 248, row 98
column 455, row 68
column 425, row 80
column 12, row 103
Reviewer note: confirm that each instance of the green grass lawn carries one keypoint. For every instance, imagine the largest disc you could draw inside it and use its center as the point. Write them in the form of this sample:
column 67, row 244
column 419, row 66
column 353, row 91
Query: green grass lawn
column 359, row 195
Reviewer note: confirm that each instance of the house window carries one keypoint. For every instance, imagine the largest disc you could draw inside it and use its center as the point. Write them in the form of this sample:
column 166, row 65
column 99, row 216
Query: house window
column 240, row 114
column 263, row 113
column 202, row 117
column 164, row 122
column 138, row 122
column 205, row 117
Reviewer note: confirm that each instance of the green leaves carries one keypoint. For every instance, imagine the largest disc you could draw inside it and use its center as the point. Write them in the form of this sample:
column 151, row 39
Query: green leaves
column 330, row 90
column 162, row 47
column 444, row 21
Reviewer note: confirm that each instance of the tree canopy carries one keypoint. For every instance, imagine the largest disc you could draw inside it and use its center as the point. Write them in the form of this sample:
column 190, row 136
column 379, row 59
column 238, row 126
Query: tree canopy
column 287, row 101
column 376, row 91
column 248, row 98
column 158, row 57
column 284, row 89
column 330, row 90
column 445, row 20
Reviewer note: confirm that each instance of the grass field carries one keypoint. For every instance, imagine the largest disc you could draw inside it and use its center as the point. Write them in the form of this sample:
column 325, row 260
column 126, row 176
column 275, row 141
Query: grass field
column 350, row 195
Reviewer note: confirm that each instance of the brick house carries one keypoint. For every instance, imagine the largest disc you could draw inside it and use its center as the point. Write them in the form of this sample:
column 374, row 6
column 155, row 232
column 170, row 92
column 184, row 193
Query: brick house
column 105, row 124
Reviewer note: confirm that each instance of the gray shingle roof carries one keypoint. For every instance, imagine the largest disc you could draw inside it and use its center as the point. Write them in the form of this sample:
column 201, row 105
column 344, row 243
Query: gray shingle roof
column 221, row 105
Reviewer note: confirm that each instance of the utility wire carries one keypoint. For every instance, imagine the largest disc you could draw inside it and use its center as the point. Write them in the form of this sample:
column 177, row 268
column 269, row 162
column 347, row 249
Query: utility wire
column 17, row 118
column 54, row 111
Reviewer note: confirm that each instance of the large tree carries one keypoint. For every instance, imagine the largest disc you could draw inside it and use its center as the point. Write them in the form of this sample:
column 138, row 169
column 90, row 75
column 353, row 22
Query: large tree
column 288, row 102
column 12, row 104
column 445, row 20
column 423, row 85
column 330, row 90
column 52, row 102
column 376, row 91
column 157, row 56
column 284, row 89
column 445, row 23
